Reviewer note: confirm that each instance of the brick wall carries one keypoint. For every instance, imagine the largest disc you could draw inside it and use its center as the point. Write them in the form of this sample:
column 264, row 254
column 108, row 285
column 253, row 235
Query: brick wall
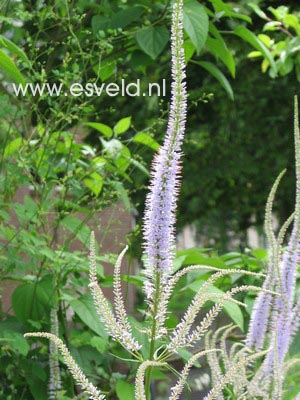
column 110, row 225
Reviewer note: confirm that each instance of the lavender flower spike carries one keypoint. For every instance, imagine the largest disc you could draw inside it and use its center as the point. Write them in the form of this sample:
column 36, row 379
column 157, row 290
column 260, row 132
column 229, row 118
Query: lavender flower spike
column 161, row 201
column 284, row 318
column 263, row 305
column 291, row 257
column 296, row 318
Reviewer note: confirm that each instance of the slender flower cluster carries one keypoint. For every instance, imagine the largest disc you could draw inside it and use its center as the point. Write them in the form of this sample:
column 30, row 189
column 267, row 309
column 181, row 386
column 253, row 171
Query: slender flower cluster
column 277, row 320
column 178, row 388
column 161, row 200
column 76, row 372
column 230, row 376
column 181, row 336
column 260, row 318
column 262, row 310
column 234, row 362
column 212, row 358
column 119, row 302
column 166, row 295
column 140, row 377
column 55, row 378
column 296, row 318
column 285, row 305
column 117, row 326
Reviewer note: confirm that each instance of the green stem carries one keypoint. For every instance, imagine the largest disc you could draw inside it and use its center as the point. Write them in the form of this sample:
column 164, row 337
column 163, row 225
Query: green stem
column 153, row 335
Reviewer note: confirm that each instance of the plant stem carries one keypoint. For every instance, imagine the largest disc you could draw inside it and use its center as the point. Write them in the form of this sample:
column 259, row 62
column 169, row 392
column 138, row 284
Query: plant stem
column 153, row 335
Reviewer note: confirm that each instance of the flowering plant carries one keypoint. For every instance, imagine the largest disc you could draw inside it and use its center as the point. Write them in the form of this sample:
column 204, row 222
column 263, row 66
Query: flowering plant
column 274, row 321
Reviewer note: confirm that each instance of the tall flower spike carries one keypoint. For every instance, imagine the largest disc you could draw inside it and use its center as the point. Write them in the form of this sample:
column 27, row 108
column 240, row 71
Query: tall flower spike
column 115, row 328
column 166, row 295
column 119, row 302
column 181, row 336
column 296, row 318
column 159, row 220
column 291, row 257
column 212, row 358
column 283, row 328
column 178, row 388
column 76, row 372
column 263, row 305
column 55, row 379
column 229, row 376
column 140, row 376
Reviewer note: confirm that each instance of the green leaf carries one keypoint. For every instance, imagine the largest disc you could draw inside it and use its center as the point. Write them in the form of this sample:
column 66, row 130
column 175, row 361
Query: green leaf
column 194, row 258
column 27, row 212
column 16, row 340
column 102, row 128
column 140, row 166
column 271, row 26
column 172, row 321
column 125, row 17
column 125, row 391
column 195, row 22
column 37, row 380
column 100, row 23
column 113, row 147
column 260, row 254
column 218, row 74
column 220, row 51
column 139, row 61
column 254, row 54
column 81, row 231
column 106, row 70
column 119, row 20
column 189, row 50
column 122, row 126
column 158, row 375
column 146, row 140
column 232, row 309
column 279, row 12
column 20, row 344
column 249, row 37
column 258, row 11
column 286, row 66
column 94, row 182
column 33, row 300
column 13, row 48
column 10, row 324
column 99, row 343
column 12, row 147
column 228, row 11
column 10, row 69
column 123, row 160
column 178, row 262
column 134, row 279
column 218, row 48
column 152, row 40
column 290, row 20
column 85, row 309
